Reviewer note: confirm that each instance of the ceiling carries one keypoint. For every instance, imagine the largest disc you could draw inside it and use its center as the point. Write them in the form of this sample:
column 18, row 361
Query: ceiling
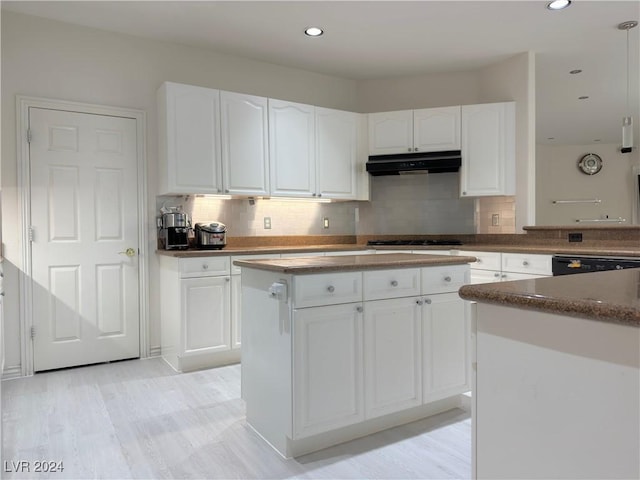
column 380, row 39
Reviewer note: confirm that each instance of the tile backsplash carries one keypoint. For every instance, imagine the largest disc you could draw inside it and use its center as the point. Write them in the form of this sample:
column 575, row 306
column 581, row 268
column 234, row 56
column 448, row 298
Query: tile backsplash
column 399, row 205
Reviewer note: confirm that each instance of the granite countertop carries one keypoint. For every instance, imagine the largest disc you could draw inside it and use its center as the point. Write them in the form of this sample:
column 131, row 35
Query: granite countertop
column 607, row 248
column 259, row 250
column 348, row 263
column 610, row 296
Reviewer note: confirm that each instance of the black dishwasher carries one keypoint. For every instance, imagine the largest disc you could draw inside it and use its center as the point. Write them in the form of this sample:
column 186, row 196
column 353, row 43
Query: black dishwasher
column 567, row 265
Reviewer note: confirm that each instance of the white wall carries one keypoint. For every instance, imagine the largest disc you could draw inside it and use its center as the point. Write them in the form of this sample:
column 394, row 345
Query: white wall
column 559, row 179
column 50, row 59
column 514, row 79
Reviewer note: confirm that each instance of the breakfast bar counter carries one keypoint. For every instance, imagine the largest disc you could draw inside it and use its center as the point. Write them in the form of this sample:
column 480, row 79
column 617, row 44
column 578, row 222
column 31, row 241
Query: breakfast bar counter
column 557, row 377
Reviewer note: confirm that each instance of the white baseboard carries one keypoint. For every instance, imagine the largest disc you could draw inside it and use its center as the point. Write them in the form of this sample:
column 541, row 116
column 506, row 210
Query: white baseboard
column 155, row 351
column 12, row 372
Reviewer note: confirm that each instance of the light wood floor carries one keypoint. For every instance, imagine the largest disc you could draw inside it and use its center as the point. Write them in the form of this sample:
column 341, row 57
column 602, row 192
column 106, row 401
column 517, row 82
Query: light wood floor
column 139, row 419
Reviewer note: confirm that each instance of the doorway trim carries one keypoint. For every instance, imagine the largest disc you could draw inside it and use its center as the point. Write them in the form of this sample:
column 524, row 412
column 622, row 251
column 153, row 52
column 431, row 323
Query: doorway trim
column 23, row 103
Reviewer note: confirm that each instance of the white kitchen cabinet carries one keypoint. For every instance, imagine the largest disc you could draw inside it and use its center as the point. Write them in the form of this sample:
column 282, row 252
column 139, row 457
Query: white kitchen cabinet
column 328, row 379
column 292, row 149
column 391, row 132
column 195, row 312
column 205, row 312
column 392, row 355
column 245, row 144
column 189, row 140
column 501, row 267
column 488, row 150
column 436, row 129
column 336, row 153
column 446, row 346
column 405, row 131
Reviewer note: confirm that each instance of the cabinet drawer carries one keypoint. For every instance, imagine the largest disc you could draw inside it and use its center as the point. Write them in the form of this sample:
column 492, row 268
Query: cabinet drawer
column 402, row 282
column 526, row 263
column 444, row 279
column 327, row 289
column 485, row 260
column 203, row 266
column 235, row 270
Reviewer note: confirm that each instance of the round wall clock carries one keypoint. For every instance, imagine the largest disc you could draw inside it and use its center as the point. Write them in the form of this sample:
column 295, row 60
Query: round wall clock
column 590, row 164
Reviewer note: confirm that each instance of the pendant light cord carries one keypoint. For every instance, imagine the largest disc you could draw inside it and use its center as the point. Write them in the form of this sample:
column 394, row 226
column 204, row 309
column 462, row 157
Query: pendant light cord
column 628, row 61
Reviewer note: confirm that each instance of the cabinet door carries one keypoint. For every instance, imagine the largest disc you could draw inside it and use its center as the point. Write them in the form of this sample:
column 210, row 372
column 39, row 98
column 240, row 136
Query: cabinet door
column 245, row 144
column 189, row 133
column 236, row 311
column 205, row 313
column 488, row 150
column 436, row 129
column 292, row 149
column 446, row 342
column 391, row 132
column 392, row 356
column 327, row 376
column 336, row 153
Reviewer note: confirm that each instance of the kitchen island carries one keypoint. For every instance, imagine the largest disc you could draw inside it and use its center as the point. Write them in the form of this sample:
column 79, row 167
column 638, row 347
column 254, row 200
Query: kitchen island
column 557, row 382
column 337, row 347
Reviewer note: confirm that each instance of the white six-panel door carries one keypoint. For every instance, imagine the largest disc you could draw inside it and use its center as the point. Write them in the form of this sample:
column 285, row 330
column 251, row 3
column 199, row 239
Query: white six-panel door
column 84, row 216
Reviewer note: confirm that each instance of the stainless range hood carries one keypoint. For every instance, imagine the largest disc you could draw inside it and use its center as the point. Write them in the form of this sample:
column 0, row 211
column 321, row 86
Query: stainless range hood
column 407, row 163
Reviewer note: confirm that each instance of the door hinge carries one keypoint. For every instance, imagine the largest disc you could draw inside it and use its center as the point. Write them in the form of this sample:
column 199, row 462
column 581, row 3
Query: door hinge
column 33, row 332
column 29, row 137
column 30, row 234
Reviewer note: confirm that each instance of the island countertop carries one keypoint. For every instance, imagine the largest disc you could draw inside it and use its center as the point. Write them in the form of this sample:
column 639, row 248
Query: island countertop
column 348, row 263
column 610, row 296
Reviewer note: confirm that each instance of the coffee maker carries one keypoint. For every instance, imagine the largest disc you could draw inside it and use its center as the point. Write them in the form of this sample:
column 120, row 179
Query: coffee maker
column 175, row 230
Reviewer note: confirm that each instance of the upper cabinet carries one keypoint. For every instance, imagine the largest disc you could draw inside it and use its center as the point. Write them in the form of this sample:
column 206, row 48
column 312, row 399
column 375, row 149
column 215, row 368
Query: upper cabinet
column 405, row 131
column 245, row 144
column 217, row 142
column 336, row 153
column 189, row 139
column 488, row 150
column 313, row 151
column 292, row 148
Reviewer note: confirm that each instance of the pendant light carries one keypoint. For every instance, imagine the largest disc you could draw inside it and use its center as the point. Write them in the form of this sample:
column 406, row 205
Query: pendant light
column 627, row 121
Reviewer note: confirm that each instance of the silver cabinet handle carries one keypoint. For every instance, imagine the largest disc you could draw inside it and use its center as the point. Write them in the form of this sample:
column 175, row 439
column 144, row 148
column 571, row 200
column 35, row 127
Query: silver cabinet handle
column 331, row 289
column 205, row 266
column 420, row 301
column 409, row 149
column 496, row 275
column 464, row 193
column 415, row 149
column 319, row 194
column 447, row 279
column 226, row 190
column 525, row 263
column 478, row 260
column 227, row 279
column 1, row 294
column 504, row 275
column 394, row 283
column 359, row 309
column 427, row 301
column 313, row 194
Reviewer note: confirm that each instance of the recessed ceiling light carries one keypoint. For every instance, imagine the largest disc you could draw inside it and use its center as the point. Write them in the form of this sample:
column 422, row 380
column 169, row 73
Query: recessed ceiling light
column 558, row 4
column 584, row 97
column 573, row 72
column 597, row 140
column 551, row 138
column 313, row 32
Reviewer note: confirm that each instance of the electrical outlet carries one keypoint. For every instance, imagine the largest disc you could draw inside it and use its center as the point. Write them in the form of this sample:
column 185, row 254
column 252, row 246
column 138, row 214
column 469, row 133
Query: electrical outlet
column 495, row 220
column 575, row 237
column 267, row 223
column 325, row 222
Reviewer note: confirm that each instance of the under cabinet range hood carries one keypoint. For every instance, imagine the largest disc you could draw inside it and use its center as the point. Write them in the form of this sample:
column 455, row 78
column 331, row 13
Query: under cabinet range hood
column 408, row 163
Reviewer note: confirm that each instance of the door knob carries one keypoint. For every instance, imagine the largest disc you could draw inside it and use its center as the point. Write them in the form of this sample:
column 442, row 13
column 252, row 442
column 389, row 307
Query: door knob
column 129, row 252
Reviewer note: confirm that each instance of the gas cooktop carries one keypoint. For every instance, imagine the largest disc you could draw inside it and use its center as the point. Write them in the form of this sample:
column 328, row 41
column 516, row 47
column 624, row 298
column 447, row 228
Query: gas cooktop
column 415, row 242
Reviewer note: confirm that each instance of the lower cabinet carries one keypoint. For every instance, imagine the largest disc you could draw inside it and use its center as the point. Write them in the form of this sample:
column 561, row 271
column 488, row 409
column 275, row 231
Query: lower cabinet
column 446, row 346
column 327, row 377
column 358, row 361
column 195, row 312
column 393, row 355
column 205, row 312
